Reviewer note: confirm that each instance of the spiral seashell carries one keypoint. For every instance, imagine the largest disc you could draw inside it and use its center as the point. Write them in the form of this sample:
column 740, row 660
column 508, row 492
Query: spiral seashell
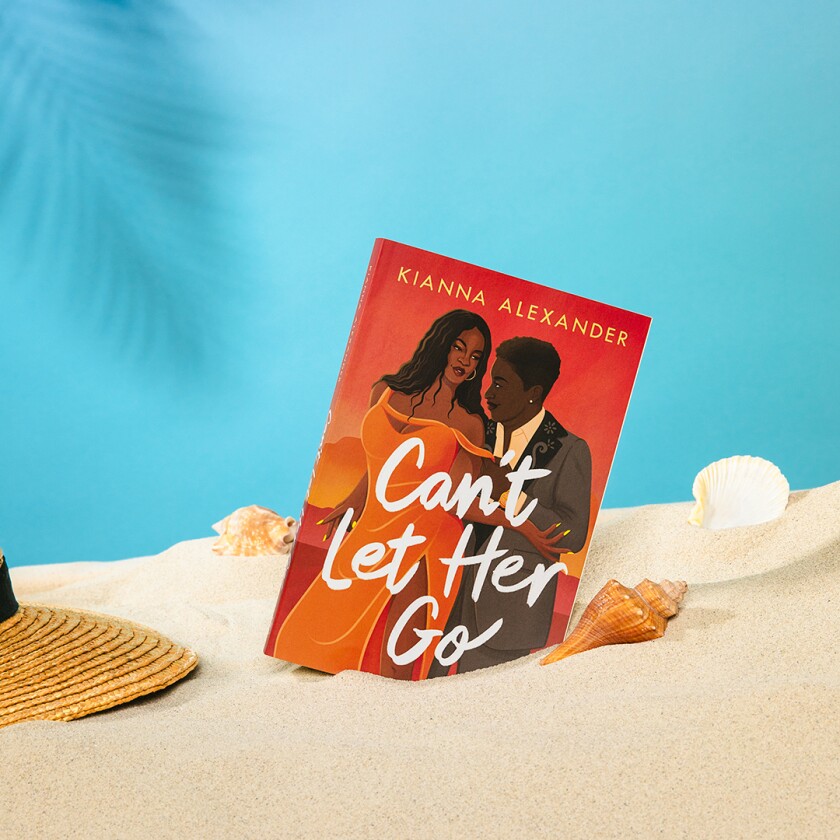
column 663, row 597
column 737, row 491
column 254, row 530
column 618, row 615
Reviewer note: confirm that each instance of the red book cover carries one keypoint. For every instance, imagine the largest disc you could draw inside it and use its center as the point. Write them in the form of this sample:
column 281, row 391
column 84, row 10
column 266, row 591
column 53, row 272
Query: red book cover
column 463, row 464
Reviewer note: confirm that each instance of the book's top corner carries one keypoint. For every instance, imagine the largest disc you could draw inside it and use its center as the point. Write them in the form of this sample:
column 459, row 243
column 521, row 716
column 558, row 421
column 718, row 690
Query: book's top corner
column 382, row 243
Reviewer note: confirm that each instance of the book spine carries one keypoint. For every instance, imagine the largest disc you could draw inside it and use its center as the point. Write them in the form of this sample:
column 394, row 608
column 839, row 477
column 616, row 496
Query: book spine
column 360, row 308
column 366, row 286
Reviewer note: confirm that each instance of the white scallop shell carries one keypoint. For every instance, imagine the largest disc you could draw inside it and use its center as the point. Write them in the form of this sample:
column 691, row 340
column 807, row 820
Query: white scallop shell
column 736, row 491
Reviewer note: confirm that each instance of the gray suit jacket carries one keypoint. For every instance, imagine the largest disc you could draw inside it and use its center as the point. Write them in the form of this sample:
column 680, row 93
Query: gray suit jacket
column 563, row 496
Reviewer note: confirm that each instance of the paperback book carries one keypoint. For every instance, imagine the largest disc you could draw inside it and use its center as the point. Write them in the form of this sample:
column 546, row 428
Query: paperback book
column 462, row 466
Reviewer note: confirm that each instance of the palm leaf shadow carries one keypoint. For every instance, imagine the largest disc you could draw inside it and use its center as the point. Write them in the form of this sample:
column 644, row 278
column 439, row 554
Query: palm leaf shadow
column 115, row 157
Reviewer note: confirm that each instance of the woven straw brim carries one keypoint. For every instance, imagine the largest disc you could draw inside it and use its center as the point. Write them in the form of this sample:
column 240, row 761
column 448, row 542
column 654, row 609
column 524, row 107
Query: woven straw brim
column 60, row 664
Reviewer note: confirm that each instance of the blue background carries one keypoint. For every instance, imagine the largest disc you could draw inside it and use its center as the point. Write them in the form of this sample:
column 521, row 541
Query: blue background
column 189, row 193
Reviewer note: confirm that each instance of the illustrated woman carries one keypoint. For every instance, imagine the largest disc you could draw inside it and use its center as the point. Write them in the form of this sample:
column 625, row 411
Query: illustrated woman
column 434, row 397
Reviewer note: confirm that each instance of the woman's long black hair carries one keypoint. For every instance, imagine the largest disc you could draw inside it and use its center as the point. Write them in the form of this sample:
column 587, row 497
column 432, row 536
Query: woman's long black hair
column 429, row 361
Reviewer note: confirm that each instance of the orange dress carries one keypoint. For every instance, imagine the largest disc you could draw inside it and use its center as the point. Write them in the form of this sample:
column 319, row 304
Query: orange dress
column 329, row 629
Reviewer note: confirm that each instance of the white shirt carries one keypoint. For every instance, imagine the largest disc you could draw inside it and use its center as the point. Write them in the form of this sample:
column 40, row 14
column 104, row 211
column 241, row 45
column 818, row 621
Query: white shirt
column 519, row 440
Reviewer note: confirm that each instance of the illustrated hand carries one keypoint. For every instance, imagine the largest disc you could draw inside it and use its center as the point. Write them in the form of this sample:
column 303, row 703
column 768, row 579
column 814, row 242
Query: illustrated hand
column 498, row 476
column 355, row 500
column 545, row 541
column 332, row 519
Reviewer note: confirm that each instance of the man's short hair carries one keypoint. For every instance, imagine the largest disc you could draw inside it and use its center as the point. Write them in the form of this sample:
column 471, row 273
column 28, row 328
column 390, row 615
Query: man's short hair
column 536, row 362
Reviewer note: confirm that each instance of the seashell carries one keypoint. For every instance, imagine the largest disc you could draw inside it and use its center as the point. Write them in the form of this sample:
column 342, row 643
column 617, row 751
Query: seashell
column 664, row 597
column 618, row 615
column 255, row 530
column 737, row 491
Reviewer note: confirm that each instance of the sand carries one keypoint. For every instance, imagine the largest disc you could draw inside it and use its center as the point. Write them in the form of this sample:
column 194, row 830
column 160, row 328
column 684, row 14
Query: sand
column 725, row 727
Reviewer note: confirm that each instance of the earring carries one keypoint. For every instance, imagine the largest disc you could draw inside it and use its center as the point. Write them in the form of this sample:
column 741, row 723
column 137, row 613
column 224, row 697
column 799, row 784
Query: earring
column 471, row 376
column 531, row 401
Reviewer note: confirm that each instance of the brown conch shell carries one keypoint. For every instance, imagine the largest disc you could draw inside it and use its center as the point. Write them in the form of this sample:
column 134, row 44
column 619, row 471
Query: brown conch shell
column 255, row 530
column 618, row 615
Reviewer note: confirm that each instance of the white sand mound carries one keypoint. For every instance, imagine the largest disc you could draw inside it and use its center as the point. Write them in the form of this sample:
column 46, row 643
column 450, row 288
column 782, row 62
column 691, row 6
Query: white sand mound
column 725, row 727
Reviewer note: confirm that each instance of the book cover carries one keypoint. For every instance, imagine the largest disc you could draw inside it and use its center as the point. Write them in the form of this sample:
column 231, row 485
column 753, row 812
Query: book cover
column 462, row 466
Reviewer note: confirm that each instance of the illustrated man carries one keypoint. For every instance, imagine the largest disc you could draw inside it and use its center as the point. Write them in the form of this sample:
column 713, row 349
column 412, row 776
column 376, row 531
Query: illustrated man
column 521, row 378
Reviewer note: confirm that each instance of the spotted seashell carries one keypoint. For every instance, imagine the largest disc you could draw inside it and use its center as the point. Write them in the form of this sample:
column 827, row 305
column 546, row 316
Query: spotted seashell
column 255, row 530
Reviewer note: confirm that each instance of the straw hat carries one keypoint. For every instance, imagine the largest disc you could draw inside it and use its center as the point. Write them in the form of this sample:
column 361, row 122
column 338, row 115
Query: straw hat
column 58, row 664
